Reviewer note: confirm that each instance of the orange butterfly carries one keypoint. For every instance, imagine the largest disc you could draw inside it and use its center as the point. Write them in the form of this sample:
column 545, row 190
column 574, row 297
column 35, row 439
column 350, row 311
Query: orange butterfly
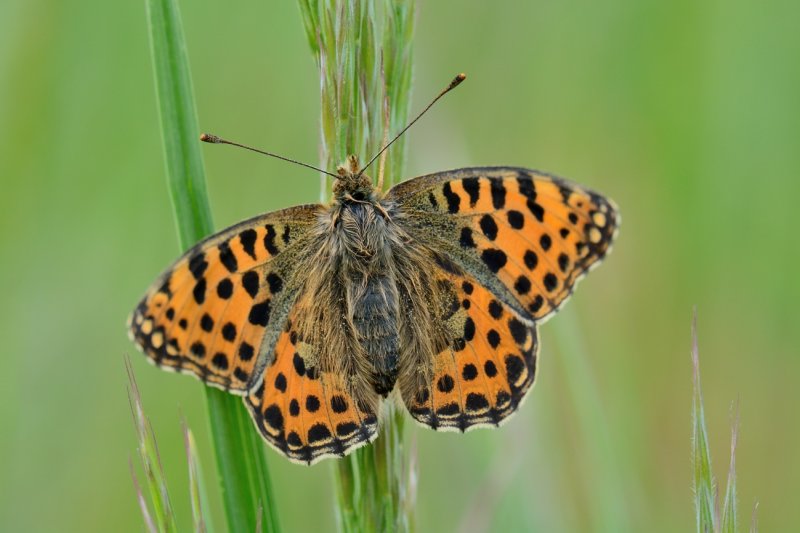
column 434, row 289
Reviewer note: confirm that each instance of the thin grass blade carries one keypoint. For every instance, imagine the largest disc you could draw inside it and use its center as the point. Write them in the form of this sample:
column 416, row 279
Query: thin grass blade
column 196, row 486
column 146, row 516
column 729, row 521
column 705, row 488
column 754, row 519
column 243, row 474
column 163, row 515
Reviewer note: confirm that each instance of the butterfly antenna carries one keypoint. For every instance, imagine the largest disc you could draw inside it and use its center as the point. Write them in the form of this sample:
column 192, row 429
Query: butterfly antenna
column 453, row 84
column 213, row 139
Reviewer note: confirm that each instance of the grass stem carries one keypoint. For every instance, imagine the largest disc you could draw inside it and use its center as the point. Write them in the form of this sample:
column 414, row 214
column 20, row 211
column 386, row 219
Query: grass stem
column 241, row 464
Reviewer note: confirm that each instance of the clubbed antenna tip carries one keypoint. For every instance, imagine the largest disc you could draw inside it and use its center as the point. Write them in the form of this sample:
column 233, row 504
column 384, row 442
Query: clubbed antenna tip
column 209, row 138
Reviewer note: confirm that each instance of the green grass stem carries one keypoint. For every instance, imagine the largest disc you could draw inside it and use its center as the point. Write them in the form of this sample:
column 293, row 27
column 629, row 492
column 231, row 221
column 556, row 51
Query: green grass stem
column 709, row 518
column 162, row 518
column 241, row 464
column 365, row 85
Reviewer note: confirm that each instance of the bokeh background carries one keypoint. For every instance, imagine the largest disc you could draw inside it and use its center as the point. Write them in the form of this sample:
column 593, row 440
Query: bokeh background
column 686, row 113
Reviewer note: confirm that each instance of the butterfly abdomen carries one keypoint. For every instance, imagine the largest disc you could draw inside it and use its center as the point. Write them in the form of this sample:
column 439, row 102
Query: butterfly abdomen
column 364, row 236
column 375, row 320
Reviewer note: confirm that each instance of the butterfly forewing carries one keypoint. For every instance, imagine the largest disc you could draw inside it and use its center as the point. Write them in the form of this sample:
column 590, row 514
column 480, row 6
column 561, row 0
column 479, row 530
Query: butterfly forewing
column 222, row 304
column 527, row 236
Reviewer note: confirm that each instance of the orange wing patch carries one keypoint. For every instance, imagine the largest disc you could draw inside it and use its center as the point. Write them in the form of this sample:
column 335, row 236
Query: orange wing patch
column 537, row 234
column 484, row 373
column 306, row 414
column 209, row 313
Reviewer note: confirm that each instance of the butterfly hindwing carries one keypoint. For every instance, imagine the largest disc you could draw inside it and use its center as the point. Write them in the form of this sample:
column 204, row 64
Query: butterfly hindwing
column 486, row 366
column 527, row 236
column 306, row 413
column 224, row 302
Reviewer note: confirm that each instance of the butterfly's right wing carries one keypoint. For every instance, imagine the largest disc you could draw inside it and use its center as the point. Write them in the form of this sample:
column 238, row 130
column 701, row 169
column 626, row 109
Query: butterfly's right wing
column 217, row 311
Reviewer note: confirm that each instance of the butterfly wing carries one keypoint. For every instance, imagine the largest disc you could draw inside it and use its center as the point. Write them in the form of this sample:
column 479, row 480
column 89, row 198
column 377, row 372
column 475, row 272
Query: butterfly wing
column 527, row 236
column 228, row 313
column 480, row 374
column 223, row 304
column 305, row 412
column 510, row 245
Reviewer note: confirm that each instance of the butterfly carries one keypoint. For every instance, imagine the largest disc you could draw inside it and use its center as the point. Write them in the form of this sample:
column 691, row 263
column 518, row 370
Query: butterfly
column 431, row 292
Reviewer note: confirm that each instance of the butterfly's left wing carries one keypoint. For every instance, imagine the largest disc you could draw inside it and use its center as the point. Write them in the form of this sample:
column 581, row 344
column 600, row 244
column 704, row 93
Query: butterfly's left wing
column 510, row 245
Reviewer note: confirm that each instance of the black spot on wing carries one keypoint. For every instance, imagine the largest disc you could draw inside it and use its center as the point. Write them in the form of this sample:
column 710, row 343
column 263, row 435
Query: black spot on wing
column 220, row 360
column 225, row 289
column 273, row 417
column 476, row 402
column 550, row 281
column 317, row 433
column 526, row 187
column 518, row 331
column 248, row 239
column 498, row 193
column 275, row 283
column 269, row 240
column 198, row 265
column 515, row 219
column 445, row 383
column 259, row 313
column 199, row 291
column 250, row 283
column 246, row 351
column 488, row 227
column 229, row 332
column 536, row 209
column 494, row 259
column 453, row 200
column 473, row 188
column 227, row 257
column 338, row 404
column 531, row 259
column 466, row 239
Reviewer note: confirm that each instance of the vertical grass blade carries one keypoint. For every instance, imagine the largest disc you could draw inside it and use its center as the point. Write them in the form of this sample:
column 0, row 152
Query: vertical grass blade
column 197, row 489
column 163, row 518
column 365, row 92
column 729, row 521
column 244, row 478
column 705, row 489
column 146, row 516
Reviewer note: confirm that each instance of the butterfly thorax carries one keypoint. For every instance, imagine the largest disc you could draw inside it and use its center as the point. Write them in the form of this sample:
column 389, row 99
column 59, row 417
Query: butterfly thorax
column 361, row 239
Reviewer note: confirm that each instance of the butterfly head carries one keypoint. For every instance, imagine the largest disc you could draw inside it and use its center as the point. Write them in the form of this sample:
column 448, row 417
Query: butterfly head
column 351, row 184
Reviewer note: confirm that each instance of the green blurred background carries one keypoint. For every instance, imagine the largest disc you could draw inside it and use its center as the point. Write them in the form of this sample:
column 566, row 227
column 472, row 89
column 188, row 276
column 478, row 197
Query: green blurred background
column 687, row 113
